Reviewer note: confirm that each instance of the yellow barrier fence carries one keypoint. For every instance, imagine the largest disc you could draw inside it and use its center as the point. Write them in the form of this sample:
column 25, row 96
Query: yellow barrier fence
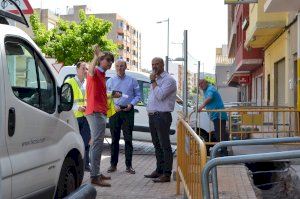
column 191, row 159
column 246, row 123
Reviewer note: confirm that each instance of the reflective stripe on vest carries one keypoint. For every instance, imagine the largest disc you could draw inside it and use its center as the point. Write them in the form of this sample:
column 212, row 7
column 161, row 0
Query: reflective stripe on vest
column 78, row 96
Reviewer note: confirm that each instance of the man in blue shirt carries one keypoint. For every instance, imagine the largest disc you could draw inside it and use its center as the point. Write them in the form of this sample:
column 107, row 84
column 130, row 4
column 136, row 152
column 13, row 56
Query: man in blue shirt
column 213, row 101
column 124, row 117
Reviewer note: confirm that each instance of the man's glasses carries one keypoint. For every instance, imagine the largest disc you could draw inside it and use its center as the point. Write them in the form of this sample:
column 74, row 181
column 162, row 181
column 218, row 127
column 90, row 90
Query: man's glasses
column 109, row 60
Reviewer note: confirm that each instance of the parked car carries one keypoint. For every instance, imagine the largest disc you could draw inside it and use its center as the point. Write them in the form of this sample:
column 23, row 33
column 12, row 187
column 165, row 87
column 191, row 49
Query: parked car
column 141, row 122
column 41, row 150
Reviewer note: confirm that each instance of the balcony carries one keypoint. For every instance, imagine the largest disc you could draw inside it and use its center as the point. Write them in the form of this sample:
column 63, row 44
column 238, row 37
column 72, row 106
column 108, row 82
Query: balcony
column 263, row 26
column 280, row 6
column 232, row 40
column 248, row 60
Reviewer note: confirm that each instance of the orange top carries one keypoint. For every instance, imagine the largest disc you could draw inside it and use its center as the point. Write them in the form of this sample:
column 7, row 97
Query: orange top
column 96, row 93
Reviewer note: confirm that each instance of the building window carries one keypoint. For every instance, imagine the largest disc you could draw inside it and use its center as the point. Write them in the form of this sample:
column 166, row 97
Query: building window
column 121, row 47
column 120, row 37
column 127, row 59
column 120, row 24
column 133, row 62
column 127, row 27
column 128, row 49
column 134, row 53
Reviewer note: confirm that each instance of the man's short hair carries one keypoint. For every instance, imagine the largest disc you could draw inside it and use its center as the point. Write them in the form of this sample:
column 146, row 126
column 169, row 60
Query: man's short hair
column 108, row 55
column 79, row 64
column 122, row 60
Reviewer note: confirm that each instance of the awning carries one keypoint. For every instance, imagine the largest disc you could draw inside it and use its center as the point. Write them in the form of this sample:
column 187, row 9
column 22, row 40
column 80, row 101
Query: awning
column 239, row 78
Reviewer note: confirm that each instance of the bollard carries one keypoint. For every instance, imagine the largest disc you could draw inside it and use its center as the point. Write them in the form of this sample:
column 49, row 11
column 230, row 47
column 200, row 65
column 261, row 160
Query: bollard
column 86, row 191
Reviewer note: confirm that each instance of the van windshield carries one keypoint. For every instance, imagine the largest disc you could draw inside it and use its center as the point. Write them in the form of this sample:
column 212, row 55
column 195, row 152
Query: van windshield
column 10, row 11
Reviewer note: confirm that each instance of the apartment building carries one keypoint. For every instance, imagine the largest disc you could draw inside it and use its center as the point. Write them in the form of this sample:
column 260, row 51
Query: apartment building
column 224, row 67
column 247, row 72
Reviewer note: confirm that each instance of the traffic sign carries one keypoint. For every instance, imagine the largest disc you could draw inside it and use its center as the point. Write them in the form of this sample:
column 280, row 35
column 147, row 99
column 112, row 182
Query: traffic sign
column 23, row 4
column 240, row 1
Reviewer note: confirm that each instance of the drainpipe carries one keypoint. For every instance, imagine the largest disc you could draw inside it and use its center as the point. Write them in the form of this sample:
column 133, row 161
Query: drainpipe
column 298, row 69
column 298, row 62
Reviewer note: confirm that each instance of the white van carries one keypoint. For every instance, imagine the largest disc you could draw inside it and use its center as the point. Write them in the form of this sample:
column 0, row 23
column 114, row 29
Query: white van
column 41, row 150
column 141, row 122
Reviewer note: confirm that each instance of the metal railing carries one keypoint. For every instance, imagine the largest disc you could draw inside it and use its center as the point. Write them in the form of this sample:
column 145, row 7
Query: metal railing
column 242, row 159
column 257, row 122
column 191, row 159
column 220, row 145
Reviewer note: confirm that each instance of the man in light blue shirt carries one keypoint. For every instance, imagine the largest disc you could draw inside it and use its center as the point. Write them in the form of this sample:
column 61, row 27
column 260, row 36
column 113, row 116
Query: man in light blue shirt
column 161, row 103
column 213, row 101
column 124, row 117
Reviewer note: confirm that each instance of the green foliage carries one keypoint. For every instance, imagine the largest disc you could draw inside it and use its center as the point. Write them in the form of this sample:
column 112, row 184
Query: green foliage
column 194, row 90
column 70, row 42
column 211, row 80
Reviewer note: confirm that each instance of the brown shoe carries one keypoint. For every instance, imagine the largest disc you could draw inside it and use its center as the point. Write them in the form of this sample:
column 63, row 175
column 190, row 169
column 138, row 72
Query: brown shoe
column 162, row 178
column 103, row 177
column 130, row 170
column 99, row 182
column 154, row 174
column 112, row 169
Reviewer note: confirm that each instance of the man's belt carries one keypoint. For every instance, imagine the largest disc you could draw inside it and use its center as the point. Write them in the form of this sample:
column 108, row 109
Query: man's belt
column 157, row 113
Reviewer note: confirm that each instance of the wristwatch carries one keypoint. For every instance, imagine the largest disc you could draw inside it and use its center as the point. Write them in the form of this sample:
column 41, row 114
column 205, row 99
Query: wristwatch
column 152, row 81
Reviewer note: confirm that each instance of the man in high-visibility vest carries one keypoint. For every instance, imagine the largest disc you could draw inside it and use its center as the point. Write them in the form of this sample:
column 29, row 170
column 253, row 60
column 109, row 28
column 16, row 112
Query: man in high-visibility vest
column 79, row 89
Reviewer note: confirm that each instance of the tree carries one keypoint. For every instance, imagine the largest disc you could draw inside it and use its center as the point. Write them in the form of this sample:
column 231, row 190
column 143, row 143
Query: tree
column 211, row 80
column 70, row 42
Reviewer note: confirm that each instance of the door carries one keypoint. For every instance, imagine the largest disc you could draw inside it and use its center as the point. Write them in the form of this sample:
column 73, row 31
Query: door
column 279, row 88
column 279, row 84
column 5, row 166
column 259, row 91
column 30, row 106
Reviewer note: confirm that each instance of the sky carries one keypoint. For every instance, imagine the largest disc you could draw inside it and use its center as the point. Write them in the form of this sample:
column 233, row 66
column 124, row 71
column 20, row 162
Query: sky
column 206, row 22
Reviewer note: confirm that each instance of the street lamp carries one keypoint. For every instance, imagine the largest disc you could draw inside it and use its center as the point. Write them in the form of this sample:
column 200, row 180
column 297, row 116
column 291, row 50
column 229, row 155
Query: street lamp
column 168, row 35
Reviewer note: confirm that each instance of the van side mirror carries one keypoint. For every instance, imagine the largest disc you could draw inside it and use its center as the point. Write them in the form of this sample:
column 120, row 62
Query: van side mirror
column 66, row 98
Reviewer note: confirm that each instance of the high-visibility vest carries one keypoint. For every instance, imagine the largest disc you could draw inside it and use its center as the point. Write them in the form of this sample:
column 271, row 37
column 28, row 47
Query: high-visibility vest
column 110, row 106
column 79, row 99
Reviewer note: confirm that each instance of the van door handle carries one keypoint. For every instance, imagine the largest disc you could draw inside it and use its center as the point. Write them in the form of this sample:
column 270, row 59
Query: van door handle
column 11, row 121
column 136, row 111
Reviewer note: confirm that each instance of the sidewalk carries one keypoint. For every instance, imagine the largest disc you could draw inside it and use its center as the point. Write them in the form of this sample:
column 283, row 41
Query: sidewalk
column 234, row 182
column 126, row 186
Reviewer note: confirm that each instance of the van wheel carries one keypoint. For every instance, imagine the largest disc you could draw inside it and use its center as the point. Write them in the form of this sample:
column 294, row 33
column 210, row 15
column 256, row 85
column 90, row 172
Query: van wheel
column 67, row 179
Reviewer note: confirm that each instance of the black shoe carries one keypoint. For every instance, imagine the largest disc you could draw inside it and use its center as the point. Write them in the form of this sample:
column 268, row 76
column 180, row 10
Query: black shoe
column 162, row 178
column 112, row 169
column 154, row 174
column 130, row 170
column 87, row 168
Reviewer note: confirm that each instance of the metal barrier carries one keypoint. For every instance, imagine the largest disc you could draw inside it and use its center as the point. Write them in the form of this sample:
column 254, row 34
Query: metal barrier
column 242, row 159
column 191, row 158
column 256, row 122
column 215, row 149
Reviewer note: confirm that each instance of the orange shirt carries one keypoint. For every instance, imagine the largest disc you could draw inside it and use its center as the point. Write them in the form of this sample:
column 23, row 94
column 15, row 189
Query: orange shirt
column 96, row 93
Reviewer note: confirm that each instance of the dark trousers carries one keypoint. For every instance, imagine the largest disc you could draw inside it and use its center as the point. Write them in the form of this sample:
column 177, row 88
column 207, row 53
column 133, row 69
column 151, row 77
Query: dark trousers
column 220, row 127
column 85, row 133
column 160, row 132
column 125, row 121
